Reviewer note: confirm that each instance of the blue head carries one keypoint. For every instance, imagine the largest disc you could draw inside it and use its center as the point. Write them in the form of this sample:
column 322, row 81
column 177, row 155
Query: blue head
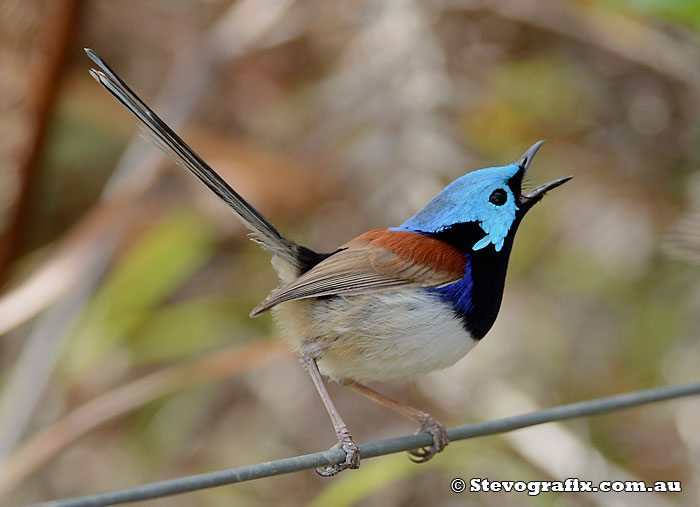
column 491, row 198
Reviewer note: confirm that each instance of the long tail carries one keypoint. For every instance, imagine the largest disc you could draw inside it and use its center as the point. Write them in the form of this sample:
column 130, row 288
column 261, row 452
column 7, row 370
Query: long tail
column 266, row 234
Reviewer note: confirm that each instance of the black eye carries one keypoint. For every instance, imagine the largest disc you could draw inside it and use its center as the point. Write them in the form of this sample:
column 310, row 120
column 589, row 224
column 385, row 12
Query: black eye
column 498, row 197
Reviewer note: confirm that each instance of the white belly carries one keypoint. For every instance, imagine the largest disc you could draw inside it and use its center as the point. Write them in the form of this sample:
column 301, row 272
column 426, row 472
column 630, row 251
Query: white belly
column 375, row 337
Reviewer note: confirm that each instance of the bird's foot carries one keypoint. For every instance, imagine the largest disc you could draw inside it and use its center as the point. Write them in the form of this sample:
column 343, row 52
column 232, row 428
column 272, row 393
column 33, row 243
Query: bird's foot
column 352, row 456
column 440, row 439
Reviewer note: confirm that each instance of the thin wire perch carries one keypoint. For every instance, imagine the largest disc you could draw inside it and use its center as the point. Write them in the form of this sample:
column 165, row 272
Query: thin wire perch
column 374, row 449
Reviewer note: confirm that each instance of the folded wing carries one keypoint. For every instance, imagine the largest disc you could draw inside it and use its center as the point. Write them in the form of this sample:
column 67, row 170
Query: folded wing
column 375, row 261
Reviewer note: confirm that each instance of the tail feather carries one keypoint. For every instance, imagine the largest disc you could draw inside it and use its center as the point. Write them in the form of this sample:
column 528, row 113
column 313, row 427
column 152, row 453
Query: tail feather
column 165, row 138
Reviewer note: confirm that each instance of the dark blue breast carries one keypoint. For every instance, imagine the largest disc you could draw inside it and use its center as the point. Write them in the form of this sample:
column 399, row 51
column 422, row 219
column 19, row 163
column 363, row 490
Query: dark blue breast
column 459, row 294
column 476, row 298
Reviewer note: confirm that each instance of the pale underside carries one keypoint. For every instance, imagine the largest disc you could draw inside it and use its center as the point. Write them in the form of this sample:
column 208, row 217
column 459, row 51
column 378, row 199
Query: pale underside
column 368, row 330
column 385, row 335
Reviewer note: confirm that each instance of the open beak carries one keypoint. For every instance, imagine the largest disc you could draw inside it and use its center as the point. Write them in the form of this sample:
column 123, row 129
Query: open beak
column 527, row 157
column 537, row 193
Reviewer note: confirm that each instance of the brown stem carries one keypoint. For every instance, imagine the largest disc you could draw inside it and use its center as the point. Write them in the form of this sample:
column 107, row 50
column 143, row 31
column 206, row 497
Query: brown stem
column 60, row 20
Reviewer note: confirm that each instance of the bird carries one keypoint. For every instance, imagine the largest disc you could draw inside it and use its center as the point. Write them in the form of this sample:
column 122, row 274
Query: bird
column 391, row 302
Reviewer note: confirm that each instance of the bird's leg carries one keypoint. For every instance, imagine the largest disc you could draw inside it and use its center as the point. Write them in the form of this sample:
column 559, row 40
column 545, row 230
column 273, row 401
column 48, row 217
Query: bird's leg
column 427, row 423
column 345, row 442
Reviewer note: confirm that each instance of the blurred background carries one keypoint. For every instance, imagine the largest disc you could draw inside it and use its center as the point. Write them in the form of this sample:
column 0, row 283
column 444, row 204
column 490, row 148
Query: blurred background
column 126, row 352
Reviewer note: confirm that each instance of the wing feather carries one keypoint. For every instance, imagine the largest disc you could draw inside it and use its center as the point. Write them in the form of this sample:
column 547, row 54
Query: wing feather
column 375, row 261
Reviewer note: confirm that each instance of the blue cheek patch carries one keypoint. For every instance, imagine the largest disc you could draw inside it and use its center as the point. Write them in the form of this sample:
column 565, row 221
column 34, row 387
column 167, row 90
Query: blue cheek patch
column 467, row 200
column 485, row 241
column 496, row 224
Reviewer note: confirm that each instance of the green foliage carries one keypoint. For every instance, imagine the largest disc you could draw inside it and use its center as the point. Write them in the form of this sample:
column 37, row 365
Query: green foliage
column 546, row 92
column 686, row 12
column 180, row 330
column 153, row 268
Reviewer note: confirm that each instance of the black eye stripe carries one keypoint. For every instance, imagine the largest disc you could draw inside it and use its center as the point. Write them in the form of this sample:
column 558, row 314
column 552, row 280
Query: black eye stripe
column 498, row 197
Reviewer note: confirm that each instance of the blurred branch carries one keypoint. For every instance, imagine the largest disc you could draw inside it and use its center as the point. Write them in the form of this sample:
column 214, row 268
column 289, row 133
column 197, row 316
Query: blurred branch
column 134, row 173
column 51, row 440
column 68, row 261
column 634, row 41
column 33, row 368
column 381, row 448
column 183, row 88
column 59, row 22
